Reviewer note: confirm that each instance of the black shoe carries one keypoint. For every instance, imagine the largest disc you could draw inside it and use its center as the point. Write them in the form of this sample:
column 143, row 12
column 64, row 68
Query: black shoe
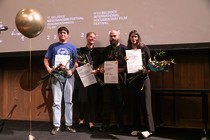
column 81, row 125
column 104, row 127
column 120, row 128
column 55, row 130
column 92, row 128
column 70, row 129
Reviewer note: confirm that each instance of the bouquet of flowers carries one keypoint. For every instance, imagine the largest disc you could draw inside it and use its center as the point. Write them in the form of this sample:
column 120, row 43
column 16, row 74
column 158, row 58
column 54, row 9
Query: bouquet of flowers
column 83, row 59
column 157, row 64
column 139, row 74
column 59, row 72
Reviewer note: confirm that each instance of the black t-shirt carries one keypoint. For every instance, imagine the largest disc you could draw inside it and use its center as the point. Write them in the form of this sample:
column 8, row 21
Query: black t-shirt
column 145, row 52
column 115, row 53
column 91, row 56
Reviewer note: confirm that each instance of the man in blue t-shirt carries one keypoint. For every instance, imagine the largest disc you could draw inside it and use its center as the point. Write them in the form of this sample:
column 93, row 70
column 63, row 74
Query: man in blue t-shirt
column 61, row 62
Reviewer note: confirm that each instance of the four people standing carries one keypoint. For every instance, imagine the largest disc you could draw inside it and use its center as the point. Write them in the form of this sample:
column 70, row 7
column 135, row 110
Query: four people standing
column 63, row 86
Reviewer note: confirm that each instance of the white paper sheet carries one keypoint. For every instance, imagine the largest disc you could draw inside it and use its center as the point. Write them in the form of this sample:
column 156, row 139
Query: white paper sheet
column 62, row 59
column 85, row 75
column 134, row 62
column 111, row 72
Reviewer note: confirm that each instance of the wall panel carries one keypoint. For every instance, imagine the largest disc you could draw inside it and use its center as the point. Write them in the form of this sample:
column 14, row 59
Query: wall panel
column 191, row 71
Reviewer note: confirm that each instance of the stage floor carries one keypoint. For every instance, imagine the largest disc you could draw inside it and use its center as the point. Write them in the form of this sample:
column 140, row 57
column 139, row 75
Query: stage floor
column 20, row 130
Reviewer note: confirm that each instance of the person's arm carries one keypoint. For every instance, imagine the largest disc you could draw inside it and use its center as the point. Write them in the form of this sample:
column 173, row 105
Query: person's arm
column 95, row 71
column 74, row 67
column 101, row 68
column 121, row 70
column 71, row 71
column 47, row 65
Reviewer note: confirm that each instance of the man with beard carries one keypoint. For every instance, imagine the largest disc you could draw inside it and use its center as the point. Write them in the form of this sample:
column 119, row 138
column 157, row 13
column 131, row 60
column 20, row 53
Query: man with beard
column 112, row 93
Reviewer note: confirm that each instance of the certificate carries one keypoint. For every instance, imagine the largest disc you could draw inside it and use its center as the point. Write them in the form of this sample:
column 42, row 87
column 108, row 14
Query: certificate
column 62, row 59
column 134, row 62
column 85, row 75
column 111, row 72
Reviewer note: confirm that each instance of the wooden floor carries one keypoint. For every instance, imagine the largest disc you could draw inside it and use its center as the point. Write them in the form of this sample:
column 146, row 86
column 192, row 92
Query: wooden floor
column 20, row 130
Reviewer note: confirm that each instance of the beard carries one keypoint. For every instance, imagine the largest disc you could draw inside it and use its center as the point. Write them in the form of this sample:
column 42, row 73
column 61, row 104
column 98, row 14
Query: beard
column 114, row 42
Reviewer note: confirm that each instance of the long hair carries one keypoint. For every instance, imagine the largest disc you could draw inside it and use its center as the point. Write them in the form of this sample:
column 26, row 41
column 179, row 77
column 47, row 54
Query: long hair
column 129, row 45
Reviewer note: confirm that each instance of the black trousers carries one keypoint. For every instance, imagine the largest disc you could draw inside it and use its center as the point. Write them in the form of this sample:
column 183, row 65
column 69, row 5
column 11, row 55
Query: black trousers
column 140, row 95
column 112, row 99
column 87, row 97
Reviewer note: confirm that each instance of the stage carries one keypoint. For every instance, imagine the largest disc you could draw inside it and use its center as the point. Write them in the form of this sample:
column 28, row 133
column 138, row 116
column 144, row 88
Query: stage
column 12, row 130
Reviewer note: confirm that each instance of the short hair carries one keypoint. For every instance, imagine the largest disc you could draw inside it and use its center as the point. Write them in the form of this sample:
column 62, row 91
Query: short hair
column 90, row 33
column 63, row 28
column 115, row 31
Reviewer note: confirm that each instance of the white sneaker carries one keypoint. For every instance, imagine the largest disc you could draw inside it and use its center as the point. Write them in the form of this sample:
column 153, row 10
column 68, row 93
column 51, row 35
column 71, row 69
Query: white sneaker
column 135, row 133
column 146, row 134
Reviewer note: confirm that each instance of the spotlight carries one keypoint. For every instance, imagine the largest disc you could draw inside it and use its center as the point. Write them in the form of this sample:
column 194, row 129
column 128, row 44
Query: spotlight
column 3, row 28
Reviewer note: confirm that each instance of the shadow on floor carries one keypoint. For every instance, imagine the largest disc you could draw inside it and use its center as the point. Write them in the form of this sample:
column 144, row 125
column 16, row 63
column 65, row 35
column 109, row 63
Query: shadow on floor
column 12, row 130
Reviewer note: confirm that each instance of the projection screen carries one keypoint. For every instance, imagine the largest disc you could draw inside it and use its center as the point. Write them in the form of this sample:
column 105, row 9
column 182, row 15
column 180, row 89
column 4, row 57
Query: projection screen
column 159, row 22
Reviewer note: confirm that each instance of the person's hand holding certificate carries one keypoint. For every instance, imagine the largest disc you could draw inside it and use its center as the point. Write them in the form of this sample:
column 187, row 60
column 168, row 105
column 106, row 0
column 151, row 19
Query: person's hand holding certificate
column 134, row 62
column 85, row 75
column 111, row 72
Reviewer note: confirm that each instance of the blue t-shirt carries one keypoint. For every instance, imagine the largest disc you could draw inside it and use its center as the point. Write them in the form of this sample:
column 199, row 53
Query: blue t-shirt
column 62, row 49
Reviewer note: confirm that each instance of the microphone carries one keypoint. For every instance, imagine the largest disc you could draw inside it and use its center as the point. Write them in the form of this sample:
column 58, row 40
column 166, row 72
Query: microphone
column 3, row 28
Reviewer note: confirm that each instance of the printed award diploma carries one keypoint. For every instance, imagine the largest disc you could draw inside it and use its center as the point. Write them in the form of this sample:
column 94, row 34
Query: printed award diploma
column 134, row 62
column 85, row 75
column 62, row 59
column 111, row 72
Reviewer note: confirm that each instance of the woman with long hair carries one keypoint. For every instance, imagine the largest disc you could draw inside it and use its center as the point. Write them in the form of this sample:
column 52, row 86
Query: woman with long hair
column 141, row 96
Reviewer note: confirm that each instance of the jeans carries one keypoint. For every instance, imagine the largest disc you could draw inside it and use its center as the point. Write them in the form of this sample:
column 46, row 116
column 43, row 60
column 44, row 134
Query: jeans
column 62, row 91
